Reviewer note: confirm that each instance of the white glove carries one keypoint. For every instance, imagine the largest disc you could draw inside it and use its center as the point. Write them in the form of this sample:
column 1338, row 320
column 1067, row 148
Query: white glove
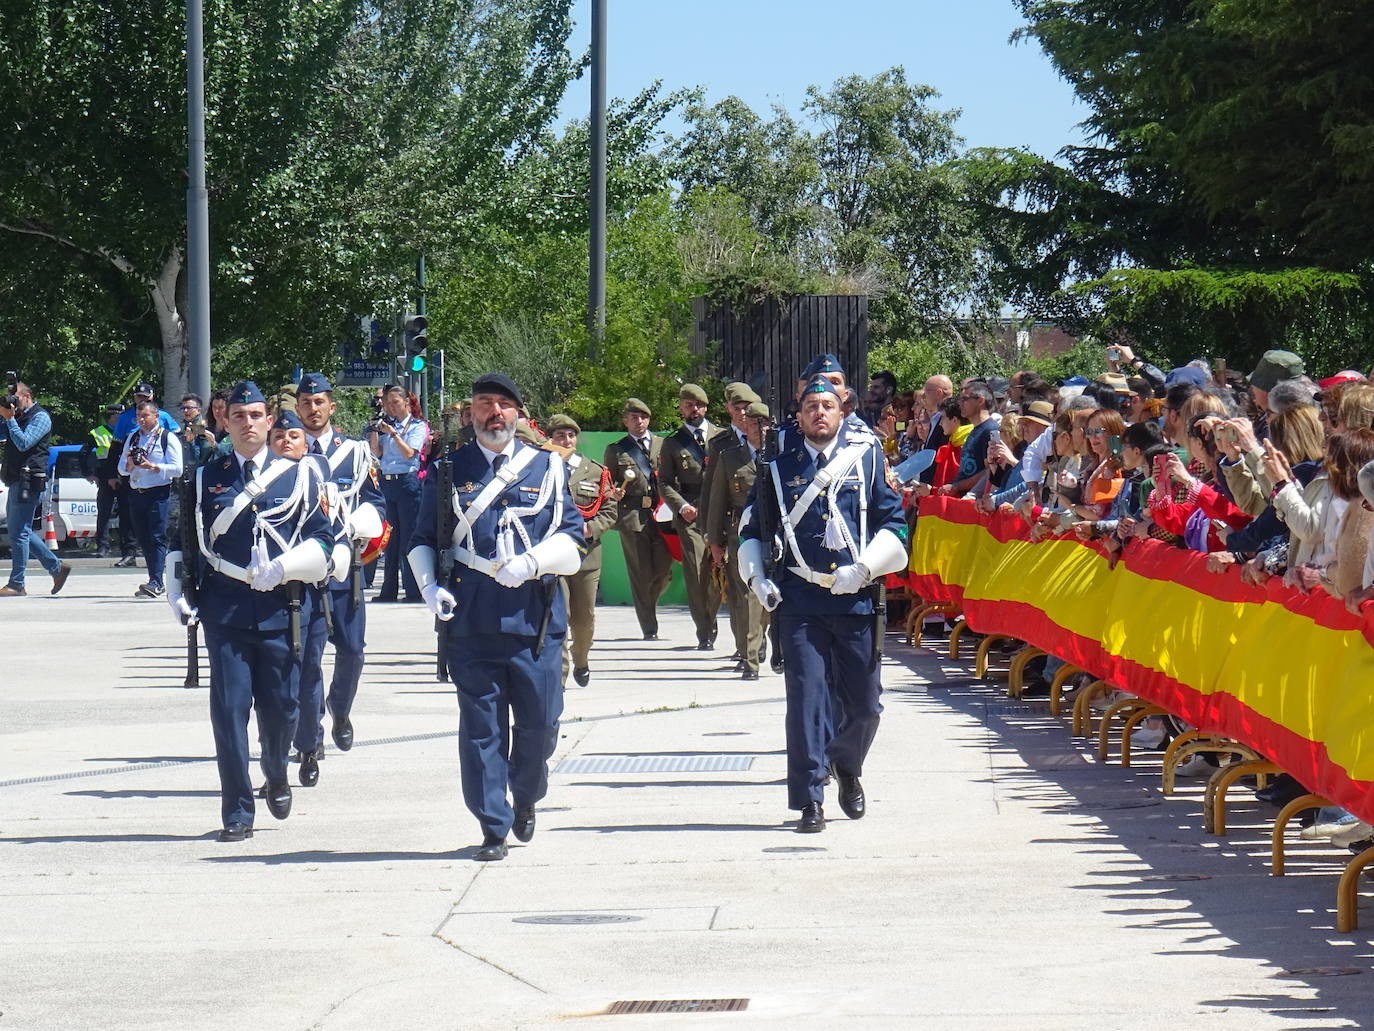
column 885, row 553
column 440, row 602
column 848, row 579
column 181, row 608
column 340, row 562
column 269, row 576
column 519, row 569
column 766, row 591
column 364, row 524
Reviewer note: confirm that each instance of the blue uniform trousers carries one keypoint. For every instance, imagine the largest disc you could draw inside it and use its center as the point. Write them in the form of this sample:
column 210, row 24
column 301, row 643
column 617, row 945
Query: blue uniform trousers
column 250, row 669
column 350, row 628
column 402, row 507
column 308, row 733
column 350, row 622
column 832, row 687
column 509, row 703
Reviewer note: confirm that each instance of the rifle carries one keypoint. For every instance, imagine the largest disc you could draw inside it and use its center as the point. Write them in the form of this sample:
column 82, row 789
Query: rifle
column 447, row 521
column 190, row 568
column 769, row 518
column 549, row 588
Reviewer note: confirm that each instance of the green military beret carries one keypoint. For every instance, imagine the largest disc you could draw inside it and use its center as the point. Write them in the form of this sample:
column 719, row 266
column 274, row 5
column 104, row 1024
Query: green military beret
column 561, row 422
column 692, row 392
column 634, row 404
column 757, row 410
column 740, row 392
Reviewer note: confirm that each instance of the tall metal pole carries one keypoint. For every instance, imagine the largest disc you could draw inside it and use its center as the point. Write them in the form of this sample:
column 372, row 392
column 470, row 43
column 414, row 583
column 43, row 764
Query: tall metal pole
column 423, row 392
column 197, row 211
column 596, row 292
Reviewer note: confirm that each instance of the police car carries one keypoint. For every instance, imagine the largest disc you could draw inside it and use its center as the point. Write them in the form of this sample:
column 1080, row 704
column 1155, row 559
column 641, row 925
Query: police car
column 72, row 499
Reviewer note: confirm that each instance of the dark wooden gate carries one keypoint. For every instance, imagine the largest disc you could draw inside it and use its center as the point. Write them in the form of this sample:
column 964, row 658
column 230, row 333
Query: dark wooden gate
column 769, row 344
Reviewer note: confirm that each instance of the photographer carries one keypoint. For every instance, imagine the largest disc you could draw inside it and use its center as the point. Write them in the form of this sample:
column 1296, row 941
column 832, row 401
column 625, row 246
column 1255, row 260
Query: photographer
column 198, row 443
column 24, row 470
column 396, row 437
column 150, row 461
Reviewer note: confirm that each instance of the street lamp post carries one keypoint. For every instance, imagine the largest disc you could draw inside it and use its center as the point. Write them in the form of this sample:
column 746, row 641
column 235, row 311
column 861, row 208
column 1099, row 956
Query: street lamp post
column 197, row 211
column 596, row 292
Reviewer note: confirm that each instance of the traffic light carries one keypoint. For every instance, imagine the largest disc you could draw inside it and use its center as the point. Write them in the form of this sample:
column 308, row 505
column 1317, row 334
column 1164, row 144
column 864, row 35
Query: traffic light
column 417, row 341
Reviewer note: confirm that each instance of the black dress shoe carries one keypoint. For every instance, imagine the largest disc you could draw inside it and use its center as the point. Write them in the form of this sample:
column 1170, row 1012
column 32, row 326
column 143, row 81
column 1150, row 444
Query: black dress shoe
column 739, row 667
column 310, row 769
column 775, row 663
column 651, row 637
column 492, row 849
column 851, row 795
column 705, row 645
column 279, row 799
column 341, row 730
column 735, row 656
column 382, row 599
column 523, row 828
column 236, row 832
column 581, row 675
column 812, row 819
column 749, row 674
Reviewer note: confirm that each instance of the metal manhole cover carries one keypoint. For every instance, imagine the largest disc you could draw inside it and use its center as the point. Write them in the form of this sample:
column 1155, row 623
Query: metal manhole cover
column 1319, row 972
column 677, row 1006
column 796, row 848
column 578, row 918
column 1178, row 877
column 657, row 764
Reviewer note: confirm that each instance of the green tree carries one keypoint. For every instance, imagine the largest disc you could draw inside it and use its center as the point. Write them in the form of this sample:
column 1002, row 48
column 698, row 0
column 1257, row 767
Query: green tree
column 343, row 138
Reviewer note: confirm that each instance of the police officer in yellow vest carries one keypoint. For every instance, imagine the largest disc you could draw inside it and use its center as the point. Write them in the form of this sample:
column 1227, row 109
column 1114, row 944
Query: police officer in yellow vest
column 633, row 461
column 681, row 469
column 98, row 460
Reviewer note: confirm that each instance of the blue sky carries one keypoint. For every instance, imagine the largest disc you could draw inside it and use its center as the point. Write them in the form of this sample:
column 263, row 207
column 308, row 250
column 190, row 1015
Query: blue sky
column 769, row 51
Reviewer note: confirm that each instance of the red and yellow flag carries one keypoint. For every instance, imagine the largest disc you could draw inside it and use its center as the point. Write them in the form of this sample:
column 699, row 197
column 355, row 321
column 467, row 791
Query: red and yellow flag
column 1291, row 675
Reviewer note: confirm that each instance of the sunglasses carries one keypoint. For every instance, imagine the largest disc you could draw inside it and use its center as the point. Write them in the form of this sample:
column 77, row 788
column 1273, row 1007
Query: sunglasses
column 1096, row 432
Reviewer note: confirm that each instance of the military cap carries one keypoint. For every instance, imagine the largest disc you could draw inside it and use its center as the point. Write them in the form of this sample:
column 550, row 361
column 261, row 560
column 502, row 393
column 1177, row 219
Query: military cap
column 757, row 410
column 1274, row 366
column 562, row 422
column 634, row 404
column 245, row 393
column 497, row 383
column 314, row 383
column 819, row 385
column 692, row 392
column 288, row 420
column 145, row 388
column 822, row 363
column 740, row 392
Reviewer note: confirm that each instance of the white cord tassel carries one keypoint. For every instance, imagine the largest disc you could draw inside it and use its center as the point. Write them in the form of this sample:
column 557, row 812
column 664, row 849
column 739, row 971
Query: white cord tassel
column 834, row 536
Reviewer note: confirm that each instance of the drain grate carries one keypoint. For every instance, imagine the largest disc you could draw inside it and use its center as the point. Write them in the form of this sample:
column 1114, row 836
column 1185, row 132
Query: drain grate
column 578, row 918
column 677, row 1006
column 657, row 764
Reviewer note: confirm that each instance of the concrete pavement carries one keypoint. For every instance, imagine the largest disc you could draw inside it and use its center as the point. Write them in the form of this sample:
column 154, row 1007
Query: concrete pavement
column 1002, row 876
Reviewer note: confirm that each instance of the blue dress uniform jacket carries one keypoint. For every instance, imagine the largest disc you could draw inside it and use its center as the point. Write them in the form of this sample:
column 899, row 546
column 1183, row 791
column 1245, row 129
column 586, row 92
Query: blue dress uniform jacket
column 484, row 606
column 246, row 631
column 509, row 699
column 830, row 672
column 796, row 470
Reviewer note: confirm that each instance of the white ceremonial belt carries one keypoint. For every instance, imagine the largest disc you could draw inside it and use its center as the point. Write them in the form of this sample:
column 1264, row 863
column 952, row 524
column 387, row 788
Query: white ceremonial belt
column 477, row 562
column 826, row 580
column 226, row 568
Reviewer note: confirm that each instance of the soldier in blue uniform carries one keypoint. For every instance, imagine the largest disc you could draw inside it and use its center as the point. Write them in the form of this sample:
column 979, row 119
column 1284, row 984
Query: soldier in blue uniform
column 839, row 526
column 260, row 532
column 516, row 530
column 356, row 507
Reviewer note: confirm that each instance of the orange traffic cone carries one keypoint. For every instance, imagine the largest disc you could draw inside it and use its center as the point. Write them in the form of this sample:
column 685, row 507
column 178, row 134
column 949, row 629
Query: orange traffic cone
column 49, row 531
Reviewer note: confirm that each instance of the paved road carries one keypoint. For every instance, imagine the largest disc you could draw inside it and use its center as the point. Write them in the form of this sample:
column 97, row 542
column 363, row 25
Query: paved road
column 1001, row 877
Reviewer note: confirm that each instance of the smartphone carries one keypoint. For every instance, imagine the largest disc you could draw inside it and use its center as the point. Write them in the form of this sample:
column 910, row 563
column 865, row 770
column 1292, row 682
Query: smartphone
column 899, row 427
column 1114, row 354
column 1114, row 446
column 1066, row 520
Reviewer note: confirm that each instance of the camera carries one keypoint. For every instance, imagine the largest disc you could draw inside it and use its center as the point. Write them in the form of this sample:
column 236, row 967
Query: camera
column 11, row 397
column 137, row 454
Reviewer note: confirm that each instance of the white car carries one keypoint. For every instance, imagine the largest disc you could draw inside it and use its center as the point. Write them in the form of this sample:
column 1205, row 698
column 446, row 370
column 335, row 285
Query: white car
column 72, row 500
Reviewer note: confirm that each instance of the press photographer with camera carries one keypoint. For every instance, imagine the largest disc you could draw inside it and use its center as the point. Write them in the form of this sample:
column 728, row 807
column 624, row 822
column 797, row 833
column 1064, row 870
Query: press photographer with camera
column 150, row 461
column 198, row 442
column 396, row 437
column 24, row 470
